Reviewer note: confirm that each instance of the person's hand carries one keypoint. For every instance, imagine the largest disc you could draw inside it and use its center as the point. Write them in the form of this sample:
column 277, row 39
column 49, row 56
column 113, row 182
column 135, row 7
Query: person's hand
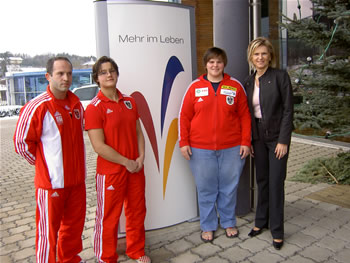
column 281, row 150
column 131, row 166
column 186, row 152
column 244, row 151
column 139, row 162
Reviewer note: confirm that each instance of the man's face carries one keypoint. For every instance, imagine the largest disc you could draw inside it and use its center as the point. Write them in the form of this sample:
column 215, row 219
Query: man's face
column 61, row 78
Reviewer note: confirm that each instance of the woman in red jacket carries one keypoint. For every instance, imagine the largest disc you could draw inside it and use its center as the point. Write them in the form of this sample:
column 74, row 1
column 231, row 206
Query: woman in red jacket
column 214, row 135
column 114, row 129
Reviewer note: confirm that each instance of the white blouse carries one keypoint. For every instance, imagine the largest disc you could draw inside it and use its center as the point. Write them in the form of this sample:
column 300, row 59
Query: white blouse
column 256, row 102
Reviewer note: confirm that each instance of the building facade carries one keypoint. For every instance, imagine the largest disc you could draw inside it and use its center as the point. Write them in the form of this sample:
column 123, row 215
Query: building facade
column 23, row 86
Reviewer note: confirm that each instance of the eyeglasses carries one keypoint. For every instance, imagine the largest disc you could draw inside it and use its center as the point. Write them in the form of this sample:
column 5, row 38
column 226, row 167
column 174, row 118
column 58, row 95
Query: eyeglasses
column 105, row 72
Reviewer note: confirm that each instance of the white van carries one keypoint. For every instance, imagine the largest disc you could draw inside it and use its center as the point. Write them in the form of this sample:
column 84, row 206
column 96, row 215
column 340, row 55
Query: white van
column 86, row 93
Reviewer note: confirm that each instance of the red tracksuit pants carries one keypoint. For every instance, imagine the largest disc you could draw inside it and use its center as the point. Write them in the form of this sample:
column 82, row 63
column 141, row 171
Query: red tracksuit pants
column 60, row 217
column 114, row 191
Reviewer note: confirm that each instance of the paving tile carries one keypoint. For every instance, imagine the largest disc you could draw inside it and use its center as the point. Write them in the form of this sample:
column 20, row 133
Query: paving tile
column 23, row 253
column 195, row 239
column 291, row 211
column 298, row 259
column 25, row 221
column 290, row 198
column 206, row 250
column 216, row 259
column 291, row 229
column 11, row 219
column 13, row 238
column 244, row 230
column 15, row 212
column 266, row 257
column 160, row 254
column 9, row 249
column 328, row 207
column 331, row 243
column 342, row 233
column 316, row 253
column 315, row 213
column 342, row 215
column 179, row 246
column 224, row 242
column 19, row 229
column 186, row 257
column 5, row 259
column 302, row 221
column 235, row 254
column 343, row 256
column 254, row 245
column 302, row 204
column 301, row 240
column 30, row 233
column 315, row 231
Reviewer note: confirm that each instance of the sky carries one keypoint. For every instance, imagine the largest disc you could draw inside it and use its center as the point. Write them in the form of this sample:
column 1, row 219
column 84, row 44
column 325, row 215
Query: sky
column 36, row 27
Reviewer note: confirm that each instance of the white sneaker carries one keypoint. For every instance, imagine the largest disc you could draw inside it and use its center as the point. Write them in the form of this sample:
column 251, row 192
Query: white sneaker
column 144, row 259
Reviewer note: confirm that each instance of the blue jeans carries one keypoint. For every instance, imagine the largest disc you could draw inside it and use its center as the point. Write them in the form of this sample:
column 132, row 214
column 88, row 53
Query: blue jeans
column 216, row 174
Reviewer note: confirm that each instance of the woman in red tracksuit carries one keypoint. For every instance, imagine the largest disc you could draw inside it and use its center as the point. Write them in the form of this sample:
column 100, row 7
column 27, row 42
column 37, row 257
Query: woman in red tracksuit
column 214, row 135
column 114, row 129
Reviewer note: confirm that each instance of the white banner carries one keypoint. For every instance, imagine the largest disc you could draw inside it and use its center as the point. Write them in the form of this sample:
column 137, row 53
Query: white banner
column 152, row 44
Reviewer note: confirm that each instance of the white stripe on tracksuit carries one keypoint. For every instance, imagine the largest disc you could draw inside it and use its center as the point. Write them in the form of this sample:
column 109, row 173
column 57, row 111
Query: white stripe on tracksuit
column 43, row 248
column 24, row 124
column 100, row 188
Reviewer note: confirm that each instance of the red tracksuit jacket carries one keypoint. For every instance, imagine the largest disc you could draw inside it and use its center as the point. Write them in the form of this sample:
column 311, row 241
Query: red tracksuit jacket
column 48, row 136
column 214, row 120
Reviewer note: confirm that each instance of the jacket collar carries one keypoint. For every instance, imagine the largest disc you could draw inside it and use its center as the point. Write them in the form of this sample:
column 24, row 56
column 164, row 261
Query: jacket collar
column 101, row 96
column 265, row 74
column 73, row 99
column 226, row 76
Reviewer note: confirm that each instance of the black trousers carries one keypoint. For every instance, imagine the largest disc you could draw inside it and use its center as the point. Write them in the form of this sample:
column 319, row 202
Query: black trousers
column 270, row 176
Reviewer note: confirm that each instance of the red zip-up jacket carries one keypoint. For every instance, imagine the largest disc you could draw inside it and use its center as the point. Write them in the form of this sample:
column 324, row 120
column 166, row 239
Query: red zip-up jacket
column 48, row 136
column 214, row 120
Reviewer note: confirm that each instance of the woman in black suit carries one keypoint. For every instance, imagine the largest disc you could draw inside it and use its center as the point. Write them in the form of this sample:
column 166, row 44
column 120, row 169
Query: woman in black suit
column 270, row 100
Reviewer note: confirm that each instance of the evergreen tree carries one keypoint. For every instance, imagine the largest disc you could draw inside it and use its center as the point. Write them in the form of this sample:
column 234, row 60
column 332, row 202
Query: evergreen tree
column 323, row 79
column 4, row 62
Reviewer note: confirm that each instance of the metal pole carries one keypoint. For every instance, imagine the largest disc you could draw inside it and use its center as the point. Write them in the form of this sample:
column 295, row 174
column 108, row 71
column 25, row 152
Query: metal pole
column 255, row 31
column 256, row 18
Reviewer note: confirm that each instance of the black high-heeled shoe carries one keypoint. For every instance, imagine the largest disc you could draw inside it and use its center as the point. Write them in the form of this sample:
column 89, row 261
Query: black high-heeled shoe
column 277, row 245
column 254, row 233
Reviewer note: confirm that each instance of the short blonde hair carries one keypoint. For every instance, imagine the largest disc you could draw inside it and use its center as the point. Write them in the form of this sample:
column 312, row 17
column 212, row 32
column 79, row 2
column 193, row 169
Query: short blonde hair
column 260, row 41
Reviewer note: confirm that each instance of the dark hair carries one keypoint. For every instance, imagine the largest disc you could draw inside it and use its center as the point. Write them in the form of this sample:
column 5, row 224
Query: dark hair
column 214, row 52
column 51, row 61
column 97, row 66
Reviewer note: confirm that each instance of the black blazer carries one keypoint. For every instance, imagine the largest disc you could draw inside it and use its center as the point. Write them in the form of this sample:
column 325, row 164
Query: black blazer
column 276, row 103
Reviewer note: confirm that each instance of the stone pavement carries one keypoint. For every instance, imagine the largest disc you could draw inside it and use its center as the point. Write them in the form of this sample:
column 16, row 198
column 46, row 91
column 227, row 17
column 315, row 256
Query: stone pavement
column 314, row 231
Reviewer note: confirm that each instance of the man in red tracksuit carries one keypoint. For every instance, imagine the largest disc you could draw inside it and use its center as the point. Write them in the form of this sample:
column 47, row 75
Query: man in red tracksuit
column 49, row 135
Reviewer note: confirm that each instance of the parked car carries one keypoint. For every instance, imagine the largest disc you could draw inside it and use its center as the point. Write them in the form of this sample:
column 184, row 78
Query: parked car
column 10, row 110
column 86, row 93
